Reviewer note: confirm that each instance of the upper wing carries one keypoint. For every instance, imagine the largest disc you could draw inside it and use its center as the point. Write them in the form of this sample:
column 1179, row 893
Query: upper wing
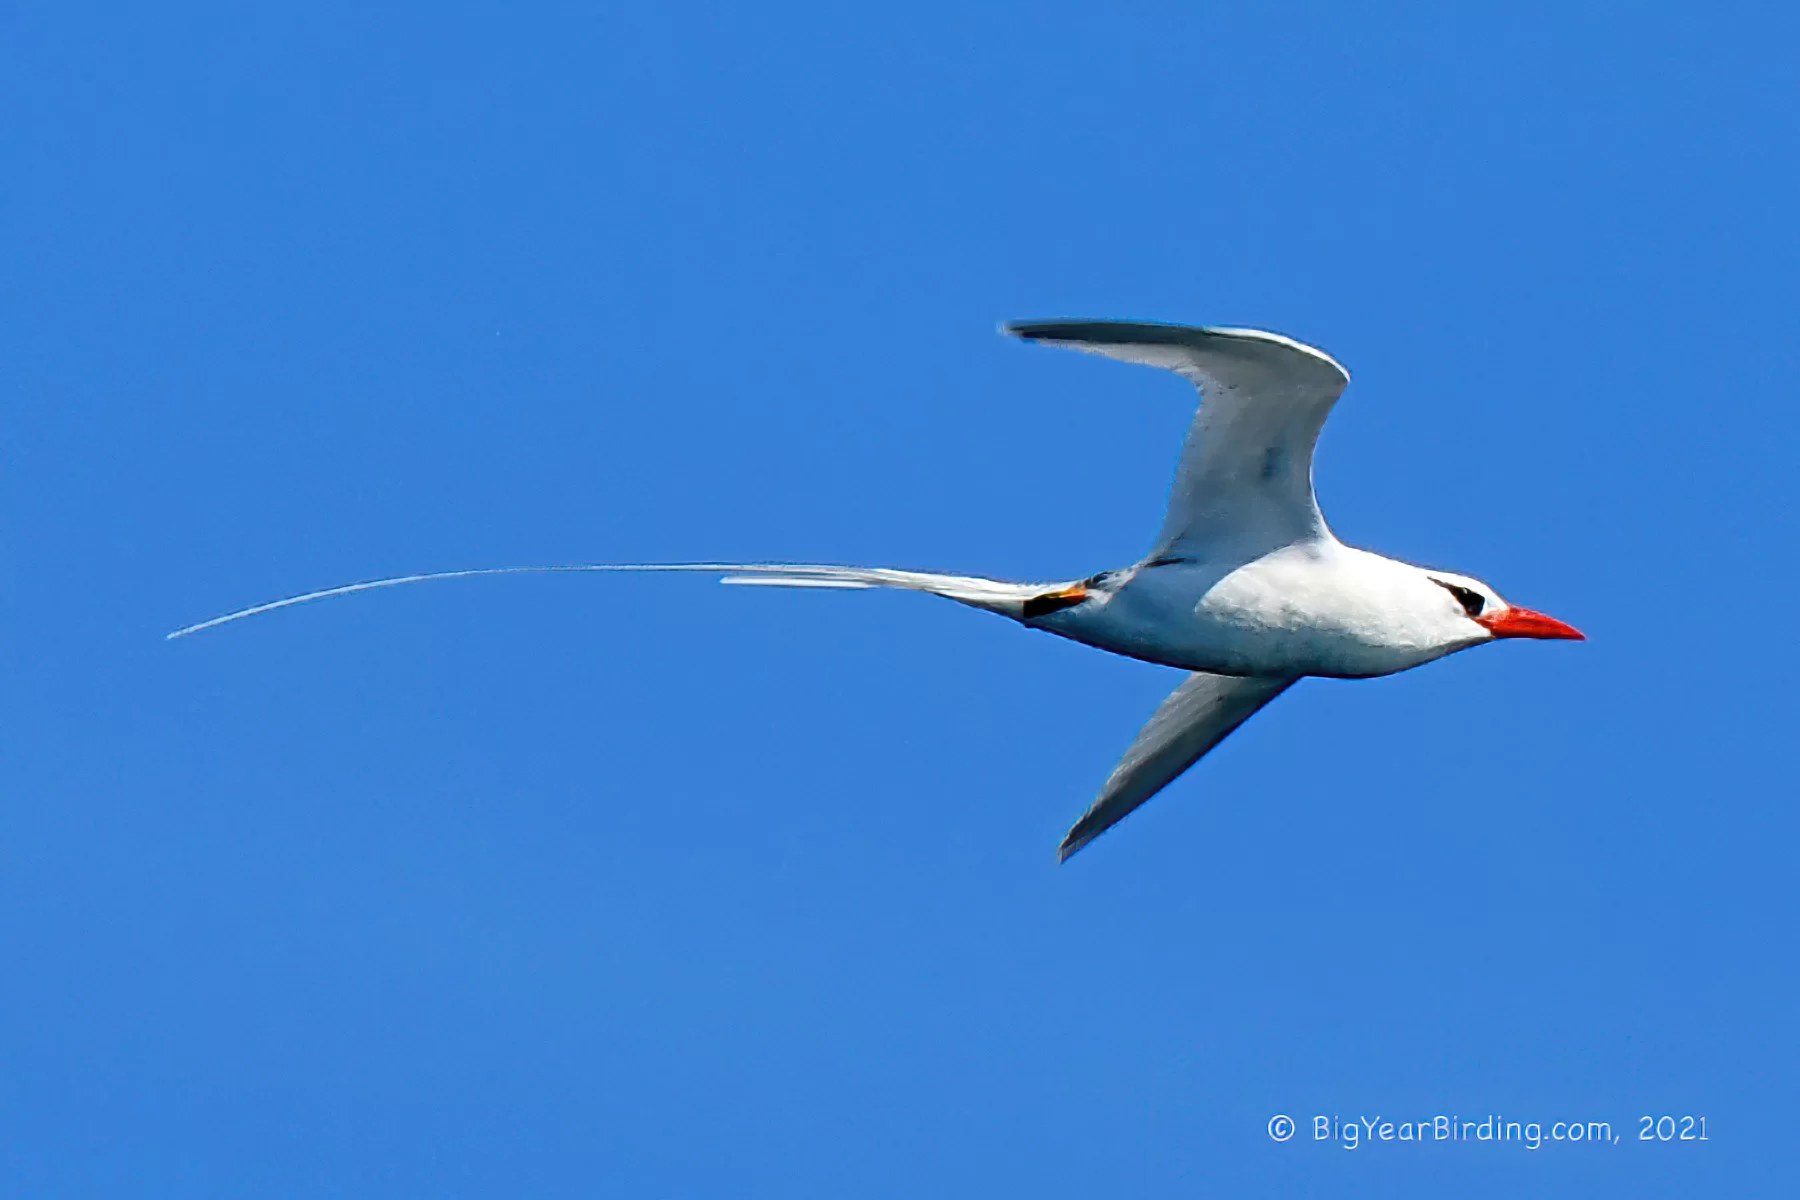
column 1245, row 477
column 1196, row 717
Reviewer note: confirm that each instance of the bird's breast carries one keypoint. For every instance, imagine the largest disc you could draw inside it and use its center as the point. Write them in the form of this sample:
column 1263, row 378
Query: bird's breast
column 1298, row 613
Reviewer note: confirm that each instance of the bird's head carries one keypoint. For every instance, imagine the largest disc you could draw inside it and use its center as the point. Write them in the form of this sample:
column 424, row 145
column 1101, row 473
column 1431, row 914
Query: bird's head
column 1470, row 600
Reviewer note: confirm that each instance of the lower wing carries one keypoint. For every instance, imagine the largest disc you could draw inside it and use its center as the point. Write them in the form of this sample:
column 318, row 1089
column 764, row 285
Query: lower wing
column 1197, row 716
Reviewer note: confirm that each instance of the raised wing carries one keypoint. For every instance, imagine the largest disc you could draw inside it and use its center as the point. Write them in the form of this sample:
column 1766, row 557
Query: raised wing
column 1197, row 716
column 1244, row 483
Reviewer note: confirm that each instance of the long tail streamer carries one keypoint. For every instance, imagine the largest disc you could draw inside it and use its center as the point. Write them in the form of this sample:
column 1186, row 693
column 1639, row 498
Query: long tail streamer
column 369, row 585
column 1013, row 600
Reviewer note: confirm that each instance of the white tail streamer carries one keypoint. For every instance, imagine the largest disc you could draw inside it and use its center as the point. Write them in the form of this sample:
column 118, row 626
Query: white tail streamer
column 979, row 593
column 369, row 585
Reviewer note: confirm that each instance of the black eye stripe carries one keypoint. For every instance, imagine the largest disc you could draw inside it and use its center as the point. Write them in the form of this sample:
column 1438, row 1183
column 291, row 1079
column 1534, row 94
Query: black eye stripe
column 1471, row 600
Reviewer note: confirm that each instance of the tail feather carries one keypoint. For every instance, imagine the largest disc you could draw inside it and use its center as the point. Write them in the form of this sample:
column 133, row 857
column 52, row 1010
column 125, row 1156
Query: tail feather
column 993, row 595
column 1008, row 599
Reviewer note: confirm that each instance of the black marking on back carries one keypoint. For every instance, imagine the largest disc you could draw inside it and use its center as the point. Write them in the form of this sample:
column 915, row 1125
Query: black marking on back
column 1050, row 602
column 1272, row 460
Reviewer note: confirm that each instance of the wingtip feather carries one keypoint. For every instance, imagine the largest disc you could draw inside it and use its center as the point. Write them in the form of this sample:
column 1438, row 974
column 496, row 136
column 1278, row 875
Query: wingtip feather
column 1072, row 843
column 1029, row 331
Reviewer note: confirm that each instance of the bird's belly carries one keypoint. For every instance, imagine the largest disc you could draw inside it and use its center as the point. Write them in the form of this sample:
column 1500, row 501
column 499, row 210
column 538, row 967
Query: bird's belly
column 1227, row 650
column 1217, row 631
column 1240, row 650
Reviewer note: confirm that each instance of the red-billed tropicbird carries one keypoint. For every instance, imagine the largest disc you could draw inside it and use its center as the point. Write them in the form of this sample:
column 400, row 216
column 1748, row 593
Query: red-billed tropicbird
column 1246, row 587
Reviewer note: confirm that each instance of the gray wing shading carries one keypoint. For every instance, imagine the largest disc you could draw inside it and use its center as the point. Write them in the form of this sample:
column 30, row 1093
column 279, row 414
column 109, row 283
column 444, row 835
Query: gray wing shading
column 1245, row 477
column 1197, row 716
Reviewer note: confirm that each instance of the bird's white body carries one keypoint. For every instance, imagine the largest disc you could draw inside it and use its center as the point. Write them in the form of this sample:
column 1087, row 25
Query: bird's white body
column 1246, row 587
column 1315, row 608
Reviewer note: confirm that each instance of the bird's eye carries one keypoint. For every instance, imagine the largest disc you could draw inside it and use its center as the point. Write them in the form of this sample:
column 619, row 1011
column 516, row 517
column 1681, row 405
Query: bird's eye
column 1471, row 600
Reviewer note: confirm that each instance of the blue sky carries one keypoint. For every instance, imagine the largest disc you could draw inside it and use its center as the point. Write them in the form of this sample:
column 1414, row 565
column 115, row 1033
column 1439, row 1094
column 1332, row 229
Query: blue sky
column 574, row 886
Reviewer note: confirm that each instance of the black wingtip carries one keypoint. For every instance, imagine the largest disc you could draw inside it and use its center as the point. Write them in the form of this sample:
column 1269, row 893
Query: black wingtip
column 1106, row 332
column 1033, row 331
column 1072, row 842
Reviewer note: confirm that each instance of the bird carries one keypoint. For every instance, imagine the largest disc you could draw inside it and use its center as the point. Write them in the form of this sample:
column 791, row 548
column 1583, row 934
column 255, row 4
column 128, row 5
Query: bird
column 1245, row 588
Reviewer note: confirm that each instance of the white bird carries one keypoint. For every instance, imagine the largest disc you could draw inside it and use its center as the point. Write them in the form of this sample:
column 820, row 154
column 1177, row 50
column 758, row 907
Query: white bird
column 1246, row 587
